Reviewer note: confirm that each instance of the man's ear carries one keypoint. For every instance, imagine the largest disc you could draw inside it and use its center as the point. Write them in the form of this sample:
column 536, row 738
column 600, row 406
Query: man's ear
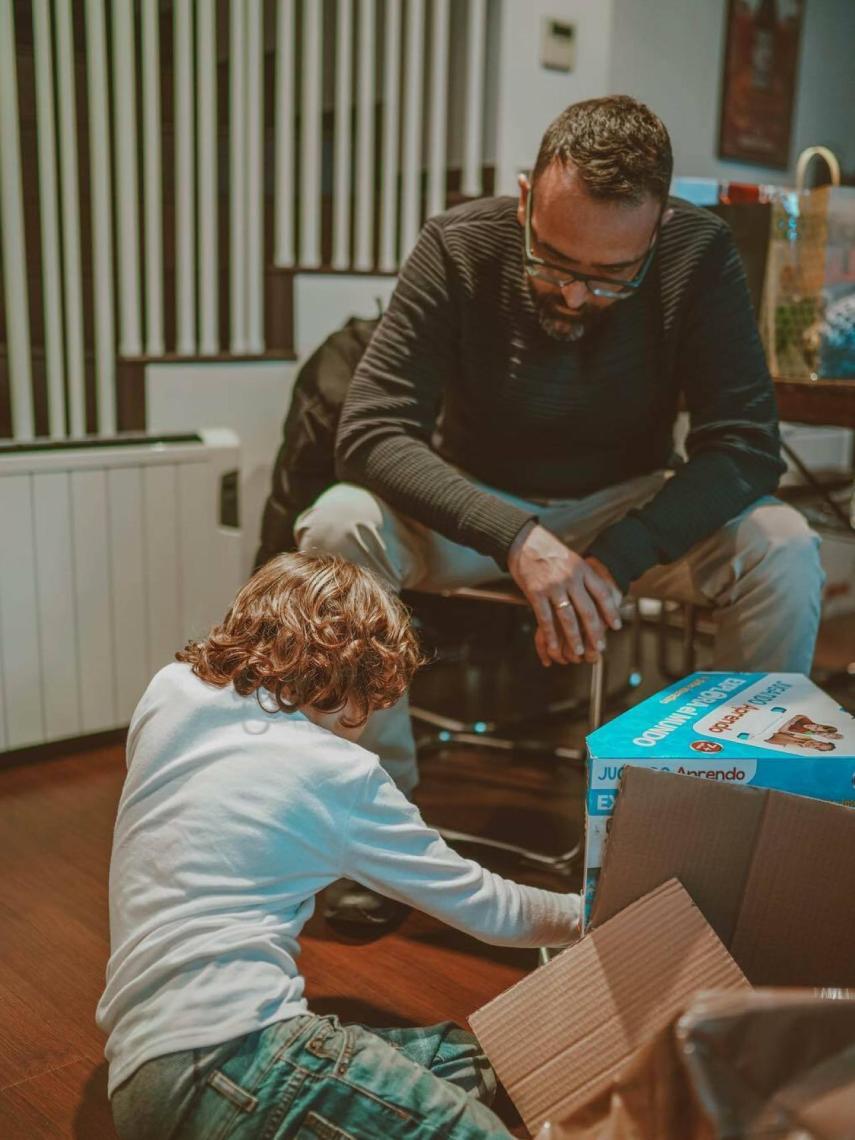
column 525, row 190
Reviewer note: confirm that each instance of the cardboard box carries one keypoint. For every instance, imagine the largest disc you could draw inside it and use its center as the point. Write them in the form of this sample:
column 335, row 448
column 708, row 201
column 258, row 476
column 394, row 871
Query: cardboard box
column 773, row 874
column 769, row 730
column 559, row 1039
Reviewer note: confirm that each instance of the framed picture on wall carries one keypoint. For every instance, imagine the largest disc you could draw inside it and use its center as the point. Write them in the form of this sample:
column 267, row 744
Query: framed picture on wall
column 759, row 83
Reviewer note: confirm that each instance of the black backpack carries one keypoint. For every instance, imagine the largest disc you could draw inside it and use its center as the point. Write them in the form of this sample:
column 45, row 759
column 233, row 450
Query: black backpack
column 305, row 467
column 305, row 463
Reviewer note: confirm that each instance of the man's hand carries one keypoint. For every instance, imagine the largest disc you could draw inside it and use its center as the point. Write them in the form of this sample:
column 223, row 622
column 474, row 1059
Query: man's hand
column 573, row 598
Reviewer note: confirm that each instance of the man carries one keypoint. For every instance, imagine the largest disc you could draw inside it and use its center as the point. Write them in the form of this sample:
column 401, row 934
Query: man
column 514, row 414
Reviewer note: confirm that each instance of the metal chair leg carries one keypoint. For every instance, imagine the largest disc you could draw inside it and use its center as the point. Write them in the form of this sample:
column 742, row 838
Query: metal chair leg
column 636, row 675
column 562, row 863
column 662, row 664
column 482, row 734
column 491, row 735
column 690, row 620
column 688, row 635
column 598, row 684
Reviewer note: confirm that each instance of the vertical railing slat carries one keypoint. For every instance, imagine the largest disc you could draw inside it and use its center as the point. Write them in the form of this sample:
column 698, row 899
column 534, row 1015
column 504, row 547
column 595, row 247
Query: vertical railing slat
column 207, row 176
column 475, row 38
column 125, row 135
column 310, row 138
column 354, row 216
column 12, row 227
column 49, row 218
column 438, row 109
column 284, row 163
column 365, row 138
column 255, row 175
column 152, row 175
column 185, row 218
column 343, row 134
column 412, row 159
column 101, row 220
column 237, row 179
column 391, row 127
column 70, row 199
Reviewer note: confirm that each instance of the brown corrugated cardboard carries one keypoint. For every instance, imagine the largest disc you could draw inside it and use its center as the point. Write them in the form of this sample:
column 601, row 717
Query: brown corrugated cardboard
column 559, row 1038
column 650, row 1098
column 773, row 874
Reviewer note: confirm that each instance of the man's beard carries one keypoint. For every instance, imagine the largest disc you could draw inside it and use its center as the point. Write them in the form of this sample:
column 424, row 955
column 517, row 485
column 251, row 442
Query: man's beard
column 560, row 327
column 552, row 318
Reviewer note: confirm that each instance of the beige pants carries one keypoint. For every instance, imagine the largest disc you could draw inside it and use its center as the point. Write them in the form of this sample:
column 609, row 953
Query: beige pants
column 760, row 572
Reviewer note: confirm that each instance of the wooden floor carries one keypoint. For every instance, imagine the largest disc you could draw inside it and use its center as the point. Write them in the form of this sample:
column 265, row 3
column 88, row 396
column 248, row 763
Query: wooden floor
column 56, row 818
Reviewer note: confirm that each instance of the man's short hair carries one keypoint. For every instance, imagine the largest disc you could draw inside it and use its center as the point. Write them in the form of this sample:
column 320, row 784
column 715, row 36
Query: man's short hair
column 619, row 148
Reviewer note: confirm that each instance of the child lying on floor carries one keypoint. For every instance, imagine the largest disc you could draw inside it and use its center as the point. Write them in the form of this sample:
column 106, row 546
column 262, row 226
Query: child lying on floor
column 245, row 796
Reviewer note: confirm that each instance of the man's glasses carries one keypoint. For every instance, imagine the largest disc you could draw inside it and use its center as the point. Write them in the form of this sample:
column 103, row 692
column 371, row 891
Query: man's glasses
column 610, row 288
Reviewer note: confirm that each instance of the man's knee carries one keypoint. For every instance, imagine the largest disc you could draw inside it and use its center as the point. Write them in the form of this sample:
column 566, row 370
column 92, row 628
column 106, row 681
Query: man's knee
column 349, row 521
column 333, row 523
column 777, row 538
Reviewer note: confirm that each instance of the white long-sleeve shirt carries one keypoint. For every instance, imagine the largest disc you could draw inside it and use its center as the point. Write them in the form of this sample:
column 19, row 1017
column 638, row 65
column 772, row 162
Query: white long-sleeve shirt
column 231, row 820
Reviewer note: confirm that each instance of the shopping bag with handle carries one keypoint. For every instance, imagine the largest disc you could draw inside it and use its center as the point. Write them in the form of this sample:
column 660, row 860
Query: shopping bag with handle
column 808, row 313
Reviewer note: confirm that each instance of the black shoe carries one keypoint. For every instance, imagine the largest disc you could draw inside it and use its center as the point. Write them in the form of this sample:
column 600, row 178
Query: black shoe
column 361, row 913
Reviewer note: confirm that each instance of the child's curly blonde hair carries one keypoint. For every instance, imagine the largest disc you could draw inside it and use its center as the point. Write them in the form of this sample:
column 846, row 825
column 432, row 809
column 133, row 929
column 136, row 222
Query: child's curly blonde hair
column 312, row 629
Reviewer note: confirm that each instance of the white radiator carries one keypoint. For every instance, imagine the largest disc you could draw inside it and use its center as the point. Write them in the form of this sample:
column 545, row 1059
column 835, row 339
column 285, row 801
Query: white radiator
column 111, row 555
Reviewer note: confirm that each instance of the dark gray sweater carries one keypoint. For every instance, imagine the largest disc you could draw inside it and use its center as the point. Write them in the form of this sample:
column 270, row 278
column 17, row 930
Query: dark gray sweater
column 460, row 380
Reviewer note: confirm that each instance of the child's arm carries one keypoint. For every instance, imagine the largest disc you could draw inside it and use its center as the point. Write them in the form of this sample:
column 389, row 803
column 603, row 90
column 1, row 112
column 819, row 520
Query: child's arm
column 387, row 846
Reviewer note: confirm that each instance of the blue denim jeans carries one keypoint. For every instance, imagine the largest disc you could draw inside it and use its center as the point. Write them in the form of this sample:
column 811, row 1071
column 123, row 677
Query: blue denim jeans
column 311, row 1078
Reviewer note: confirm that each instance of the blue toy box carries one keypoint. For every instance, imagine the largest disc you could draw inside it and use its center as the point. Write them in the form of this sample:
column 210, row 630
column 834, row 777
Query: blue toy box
column 771, row 730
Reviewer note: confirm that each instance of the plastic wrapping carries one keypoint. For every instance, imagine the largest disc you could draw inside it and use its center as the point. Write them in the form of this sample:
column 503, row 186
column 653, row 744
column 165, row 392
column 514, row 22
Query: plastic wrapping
column 773, row 1064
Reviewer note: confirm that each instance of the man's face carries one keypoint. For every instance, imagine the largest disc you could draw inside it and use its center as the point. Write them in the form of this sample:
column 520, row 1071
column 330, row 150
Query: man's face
column 572, row 230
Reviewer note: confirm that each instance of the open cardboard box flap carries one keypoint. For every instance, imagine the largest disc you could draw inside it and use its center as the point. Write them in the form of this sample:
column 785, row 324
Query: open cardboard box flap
column 772, row 873
column 560, row 1037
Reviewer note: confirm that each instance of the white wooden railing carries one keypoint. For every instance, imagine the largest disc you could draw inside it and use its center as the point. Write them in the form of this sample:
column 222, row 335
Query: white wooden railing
column 367, row 133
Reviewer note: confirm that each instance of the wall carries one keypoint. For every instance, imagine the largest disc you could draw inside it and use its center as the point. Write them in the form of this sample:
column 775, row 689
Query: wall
column 670, row 53
column 530, row 96
column 324, row 301
column 252, row 398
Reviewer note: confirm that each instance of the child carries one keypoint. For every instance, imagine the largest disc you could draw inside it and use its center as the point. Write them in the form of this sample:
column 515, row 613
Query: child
column 246, row 795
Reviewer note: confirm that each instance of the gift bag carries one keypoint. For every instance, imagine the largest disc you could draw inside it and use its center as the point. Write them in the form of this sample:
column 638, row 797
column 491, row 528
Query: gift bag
column 808, row 313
